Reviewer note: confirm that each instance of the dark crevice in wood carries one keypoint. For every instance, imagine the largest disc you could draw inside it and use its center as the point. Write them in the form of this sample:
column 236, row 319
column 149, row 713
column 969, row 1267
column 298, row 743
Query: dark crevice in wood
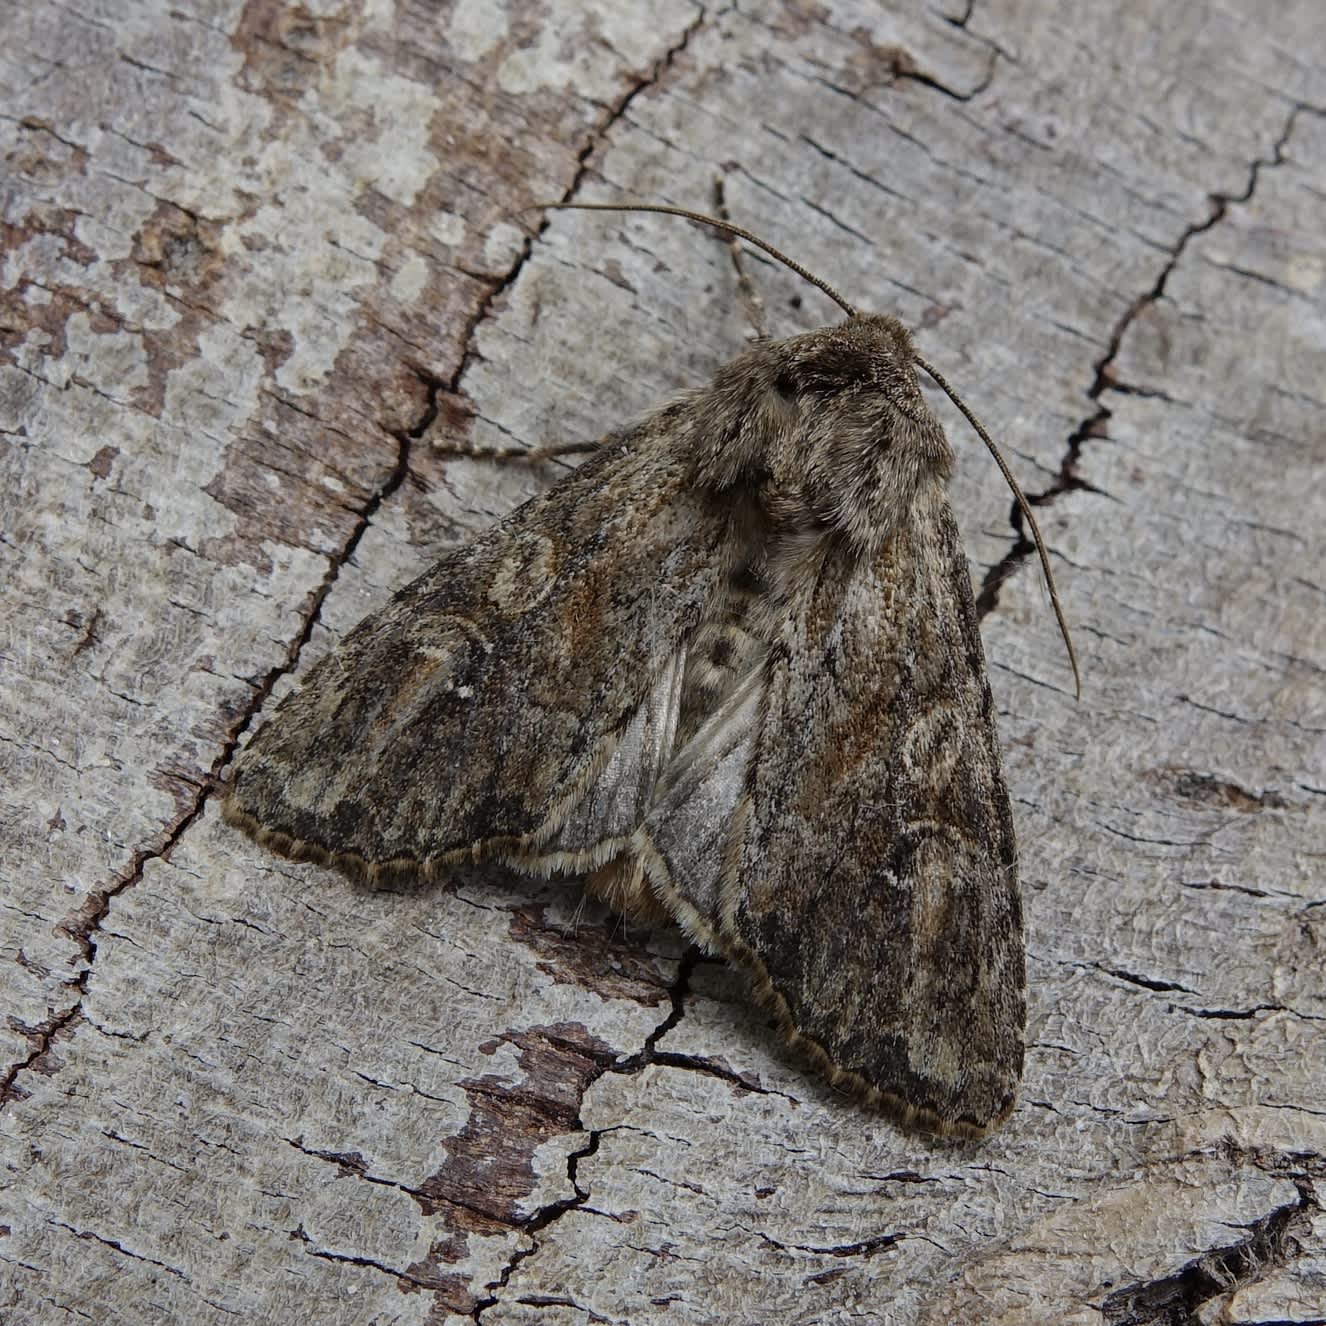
column 1174, row 1300
column 1096, row 422
column 585, row 157
column 300, row 1235
column 540, row 1220
column 96, row 906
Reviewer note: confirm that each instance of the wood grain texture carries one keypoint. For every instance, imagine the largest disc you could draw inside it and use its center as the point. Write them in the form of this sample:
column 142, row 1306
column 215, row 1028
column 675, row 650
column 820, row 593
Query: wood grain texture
column 260, row 264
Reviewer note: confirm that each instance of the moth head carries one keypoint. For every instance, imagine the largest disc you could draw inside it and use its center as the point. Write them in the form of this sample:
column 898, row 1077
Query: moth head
column 831, row 429
column 829, row 426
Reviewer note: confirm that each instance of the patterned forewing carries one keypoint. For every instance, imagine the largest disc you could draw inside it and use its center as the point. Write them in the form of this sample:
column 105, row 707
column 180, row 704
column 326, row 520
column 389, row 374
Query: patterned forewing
column 474, row 711
column 876, row 890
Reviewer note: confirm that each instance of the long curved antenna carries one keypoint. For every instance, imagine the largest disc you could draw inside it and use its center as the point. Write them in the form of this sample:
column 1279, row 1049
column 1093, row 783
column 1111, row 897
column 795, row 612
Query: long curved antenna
column 725, row 226
column 1024, row 506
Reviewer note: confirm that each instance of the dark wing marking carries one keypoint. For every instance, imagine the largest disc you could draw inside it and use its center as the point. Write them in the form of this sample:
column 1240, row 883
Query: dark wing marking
column 527, row 674
column 869, row 882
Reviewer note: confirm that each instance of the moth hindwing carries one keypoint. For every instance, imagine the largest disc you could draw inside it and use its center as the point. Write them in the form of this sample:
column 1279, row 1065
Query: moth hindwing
column 730, row 667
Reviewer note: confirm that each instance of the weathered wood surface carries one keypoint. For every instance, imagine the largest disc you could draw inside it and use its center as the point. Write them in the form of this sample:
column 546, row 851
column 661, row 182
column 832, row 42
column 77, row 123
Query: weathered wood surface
column 259, row 263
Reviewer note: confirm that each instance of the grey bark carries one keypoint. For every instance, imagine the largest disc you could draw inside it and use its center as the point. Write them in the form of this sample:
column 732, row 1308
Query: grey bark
column 261, row 267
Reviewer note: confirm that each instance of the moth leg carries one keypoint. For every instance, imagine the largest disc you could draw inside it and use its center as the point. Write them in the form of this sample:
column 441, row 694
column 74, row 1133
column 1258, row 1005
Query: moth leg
column 750, row 298
column 532, row 455
column 620, row 882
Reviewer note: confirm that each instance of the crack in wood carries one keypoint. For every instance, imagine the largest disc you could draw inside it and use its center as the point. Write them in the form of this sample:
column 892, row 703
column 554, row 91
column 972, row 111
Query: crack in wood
column 1096, row 422
column 88, row 919
column 553, row 1211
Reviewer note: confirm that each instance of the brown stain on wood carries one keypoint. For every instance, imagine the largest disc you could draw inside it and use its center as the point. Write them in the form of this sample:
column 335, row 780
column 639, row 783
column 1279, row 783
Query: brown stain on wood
column 1209, row 789
column 489, row 1169
column 601, row 958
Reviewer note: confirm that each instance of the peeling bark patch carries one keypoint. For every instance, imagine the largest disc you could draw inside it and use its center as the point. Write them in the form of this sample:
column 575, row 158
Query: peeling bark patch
column 43, row 323
column 38, row 969
column 490, row 1163
column 455, row 415
column 451, row 1288
column 100, row 464
column 1174, row 1299
column 165, row 353
column 592, row 957
column 449, row 1251
column 280, row 482
column 450, row 1292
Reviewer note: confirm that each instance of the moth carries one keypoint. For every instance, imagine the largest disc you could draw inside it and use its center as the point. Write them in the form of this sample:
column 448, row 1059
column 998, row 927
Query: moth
column 729, row 668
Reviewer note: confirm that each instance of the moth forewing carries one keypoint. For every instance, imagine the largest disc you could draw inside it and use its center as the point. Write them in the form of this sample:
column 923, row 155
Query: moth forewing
column 458, row 721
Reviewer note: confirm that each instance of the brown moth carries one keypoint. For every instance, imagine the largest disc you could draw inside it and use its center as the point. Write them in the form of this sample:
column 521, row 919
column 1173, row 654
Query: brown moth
column 731, row 667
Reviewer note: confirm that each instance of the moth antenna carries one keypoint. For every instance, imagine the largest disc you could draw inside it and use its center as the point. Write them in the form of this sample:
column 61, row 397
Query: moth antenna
column 1024, row 506
column 725, row 226
column 745, row 286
